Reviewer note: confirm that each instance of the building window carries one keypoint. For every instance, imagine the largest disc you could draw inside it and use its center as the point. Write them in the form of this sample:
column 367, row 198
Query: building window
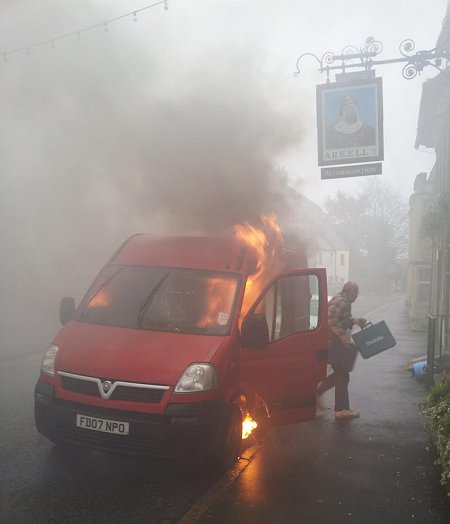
column 342, row 259
column 424, row 275
column 424, row 284
column 424, row 292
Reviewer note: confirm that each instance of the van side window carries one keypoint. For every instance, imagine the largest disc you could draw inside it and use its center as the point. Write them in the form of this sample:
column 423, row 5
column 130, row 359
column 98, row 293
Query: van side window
column 290, row 305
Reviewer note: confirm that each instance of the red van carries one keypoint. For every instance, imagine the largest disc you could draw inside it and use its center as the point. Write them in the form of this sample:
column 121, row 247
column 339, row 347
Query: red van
column 165, row 355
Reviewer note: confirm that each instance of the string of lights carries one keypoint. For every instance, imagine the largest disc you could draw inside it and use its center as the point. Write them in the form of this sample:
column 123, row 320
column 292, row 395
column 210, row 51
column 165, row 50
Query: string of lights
column 77, row 34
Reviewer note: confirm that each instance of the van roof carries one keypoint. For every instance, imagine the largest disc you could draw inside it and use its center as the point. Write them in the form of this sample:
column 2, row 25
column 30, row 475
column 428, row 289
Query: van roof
column 211, row 253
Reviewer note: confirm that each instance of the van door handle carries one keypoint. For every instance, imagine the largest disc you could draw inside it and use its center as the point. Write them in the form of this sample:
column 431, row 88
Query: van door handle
column 322, row 354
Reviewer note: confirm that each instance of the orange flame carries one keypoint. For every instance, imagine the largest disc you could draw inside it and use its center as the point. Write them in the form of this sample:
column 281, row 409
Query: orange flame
column 266, row 243
column 248, row 426
column 220, row 294
column 99, row 300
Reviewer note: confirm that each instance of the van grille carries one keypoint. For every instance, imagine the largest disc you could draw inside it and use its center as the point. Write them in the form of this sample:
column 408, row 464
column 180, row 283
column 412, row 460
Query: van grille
column 121, row 392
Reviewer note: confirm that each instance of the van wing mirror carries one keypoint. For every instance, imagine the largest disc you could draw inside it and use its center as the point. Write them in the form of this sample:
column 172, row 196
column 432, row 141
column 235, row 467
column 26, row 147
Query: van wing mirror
column 66, row 309
column 255, row 332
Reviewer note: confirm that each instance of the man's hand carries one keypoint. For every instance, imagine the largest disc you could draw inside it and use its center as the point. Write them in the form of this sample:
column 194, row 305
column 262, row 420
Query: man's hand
column 361, row 322
column 346, row 340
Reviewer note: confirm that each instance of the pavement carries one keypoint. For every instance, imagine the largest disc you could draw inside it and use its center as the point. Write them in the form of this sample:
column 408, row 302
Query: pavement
column 378, row 469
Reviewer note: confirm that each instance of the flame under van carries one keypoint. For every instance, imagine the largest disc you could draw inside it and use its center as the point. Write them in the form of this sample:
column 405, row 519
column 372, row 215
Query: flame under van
column 167, row 354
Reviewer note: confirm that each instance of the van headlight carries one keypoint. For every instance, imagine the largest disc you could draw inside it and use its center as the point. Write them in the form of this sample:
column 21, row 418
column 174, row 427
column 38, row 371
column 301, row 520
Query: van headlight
column 48, row 362
column 197, row 377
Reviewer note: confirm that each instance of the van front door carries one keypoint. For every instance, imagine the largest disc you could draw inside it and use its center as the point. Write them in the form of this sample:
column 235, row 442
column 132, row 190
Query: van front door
column 285, row 367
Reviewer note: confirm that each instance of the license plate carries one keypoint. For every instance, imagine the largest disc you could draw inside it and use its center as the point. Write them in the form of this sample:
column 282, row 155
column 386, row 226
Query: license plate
column 102, row 424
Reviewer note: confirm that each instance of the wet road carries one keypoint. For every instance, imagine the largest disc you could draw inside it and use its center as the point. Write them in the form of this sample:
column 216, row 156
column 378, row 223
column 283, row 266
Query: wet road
column 376, row 469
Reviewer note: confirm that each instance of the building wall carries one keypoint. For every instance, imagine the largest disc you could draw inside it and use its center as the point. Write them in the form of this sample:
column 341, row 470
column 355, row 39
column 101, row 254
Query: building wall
column 440, row 291
column 419, row 256
column 434, row 131
column 336, row 263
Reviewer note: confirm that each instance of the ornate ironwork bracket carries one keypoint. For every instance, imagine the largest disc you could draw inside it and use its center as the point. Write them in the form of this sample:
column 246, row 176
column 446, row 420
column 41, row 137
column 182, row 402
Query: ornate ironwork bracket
column 363, row 58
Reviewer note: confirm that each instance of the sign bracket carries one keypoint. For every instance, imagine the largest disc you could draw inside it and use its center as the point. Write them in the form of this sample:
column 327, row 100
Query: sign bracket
column 364, row 58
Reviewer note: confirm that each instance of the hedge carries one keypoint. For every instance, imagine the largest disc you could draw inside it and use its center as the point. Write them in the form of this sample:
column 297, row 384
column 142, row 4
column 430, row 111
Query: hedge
column 436, row 408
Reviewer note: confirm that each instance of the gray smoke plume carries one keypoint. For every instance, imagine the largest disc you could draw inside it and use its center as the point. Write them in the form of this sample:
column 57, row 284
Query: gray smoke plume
column 102, row 138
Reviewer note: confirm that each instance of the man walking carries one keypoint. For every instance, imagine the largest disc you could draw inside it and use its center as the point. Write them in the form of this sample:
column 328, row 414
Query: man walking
column 342, row 351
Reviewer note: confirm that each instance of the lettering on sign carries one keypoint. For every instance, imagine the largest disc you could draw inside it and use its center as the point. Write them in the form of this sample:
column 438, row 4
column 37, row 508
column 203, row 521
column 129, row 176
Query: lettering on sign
column 350, row 171
column 374, row 341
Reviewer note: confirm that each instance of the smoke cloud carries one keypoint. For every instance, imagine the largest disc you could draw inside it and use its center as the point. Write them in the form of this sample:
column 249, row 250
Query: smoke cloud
column 102, row 138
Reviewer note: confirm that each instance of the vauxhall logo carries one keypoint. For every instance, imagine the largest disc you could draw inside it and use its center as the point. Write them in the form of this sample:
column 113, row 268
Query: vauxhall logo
column 106, row 388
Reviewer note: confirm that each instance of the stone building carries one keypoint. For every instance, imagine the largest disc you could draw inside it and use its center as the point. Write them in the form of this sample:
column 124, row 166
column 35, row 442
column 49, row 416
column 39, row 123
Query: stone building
column 434, row 132
column 333, row 254
column 418, row 288
column 302, row 221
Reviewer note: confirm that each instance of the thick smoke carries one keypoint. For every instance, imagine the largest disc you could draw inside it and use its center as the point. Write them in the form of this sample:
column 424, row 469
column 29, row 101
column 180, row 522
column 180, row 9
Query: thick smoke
column 101, row 139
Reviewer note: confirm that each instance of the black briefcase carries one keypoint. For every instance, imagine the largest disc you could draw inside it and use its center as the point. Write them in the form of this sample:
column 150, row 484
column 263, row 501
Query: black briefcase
column 373, row 339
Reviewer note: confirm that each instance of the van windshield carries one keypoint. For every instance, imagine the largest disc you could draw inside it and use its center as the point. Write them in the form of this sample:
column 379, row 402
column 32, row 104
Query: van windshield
column 161, row 299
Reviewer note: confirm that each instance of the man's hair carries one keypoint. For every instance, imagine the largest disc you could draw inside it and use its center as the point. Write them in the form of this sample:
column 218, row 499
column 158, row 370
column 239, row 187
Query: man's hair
column 349, row 287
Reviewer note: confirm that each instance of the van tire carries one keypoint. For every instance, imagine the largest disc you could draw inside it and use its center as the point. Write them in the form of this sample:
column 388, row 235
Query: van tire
column 228, row 443
column 262, row 430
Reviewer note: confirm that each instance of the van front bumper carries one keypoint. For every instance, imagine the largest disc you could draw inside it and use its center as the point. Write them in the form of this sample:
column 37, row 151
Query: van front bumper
column 182, row 428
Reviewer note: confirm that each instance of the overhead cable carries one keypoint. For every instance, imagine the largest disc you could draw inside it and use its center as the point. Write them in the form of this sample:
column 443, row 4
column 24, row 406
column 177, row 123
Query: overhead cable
column 78, row 32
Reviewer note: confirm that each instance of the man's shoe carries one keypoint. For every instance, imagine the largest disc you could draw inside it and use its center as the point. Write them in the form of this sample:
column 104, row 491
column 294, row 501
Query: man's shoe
column 345, row 413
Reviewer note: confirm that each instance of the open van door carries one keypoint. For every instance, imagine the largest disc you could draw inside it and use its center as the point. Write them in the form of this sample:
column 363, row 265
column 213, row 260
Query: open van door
column 284, row 341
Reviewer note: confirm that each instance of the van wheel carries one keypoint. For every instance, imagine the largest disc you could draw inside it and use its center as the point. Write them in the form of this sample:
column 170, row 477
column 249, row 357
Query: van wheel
column 228, row 443
column 263, row 428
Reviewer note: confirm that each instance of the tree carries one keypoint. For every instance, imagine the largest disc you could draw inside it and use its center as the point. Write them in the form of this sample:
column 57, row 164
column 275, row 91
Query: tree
column 374, row 224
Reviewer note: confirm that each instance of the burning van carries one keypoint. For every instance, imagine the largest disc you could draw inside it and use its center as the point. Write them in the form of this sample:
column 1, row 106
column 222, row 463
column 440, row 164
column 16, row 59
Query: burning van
column 183, row 344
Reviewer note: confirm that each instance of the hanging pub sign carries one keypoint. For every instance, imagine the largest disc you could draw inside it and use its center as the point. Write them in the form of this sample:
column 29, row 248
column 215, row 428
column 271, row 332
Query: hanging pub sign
column 350, row 125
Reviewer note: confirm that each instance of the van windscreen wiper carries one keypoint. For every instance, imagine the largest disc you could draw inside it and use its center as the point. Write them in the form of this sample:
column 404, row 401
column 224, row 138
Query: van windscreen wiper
column 145, row 304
